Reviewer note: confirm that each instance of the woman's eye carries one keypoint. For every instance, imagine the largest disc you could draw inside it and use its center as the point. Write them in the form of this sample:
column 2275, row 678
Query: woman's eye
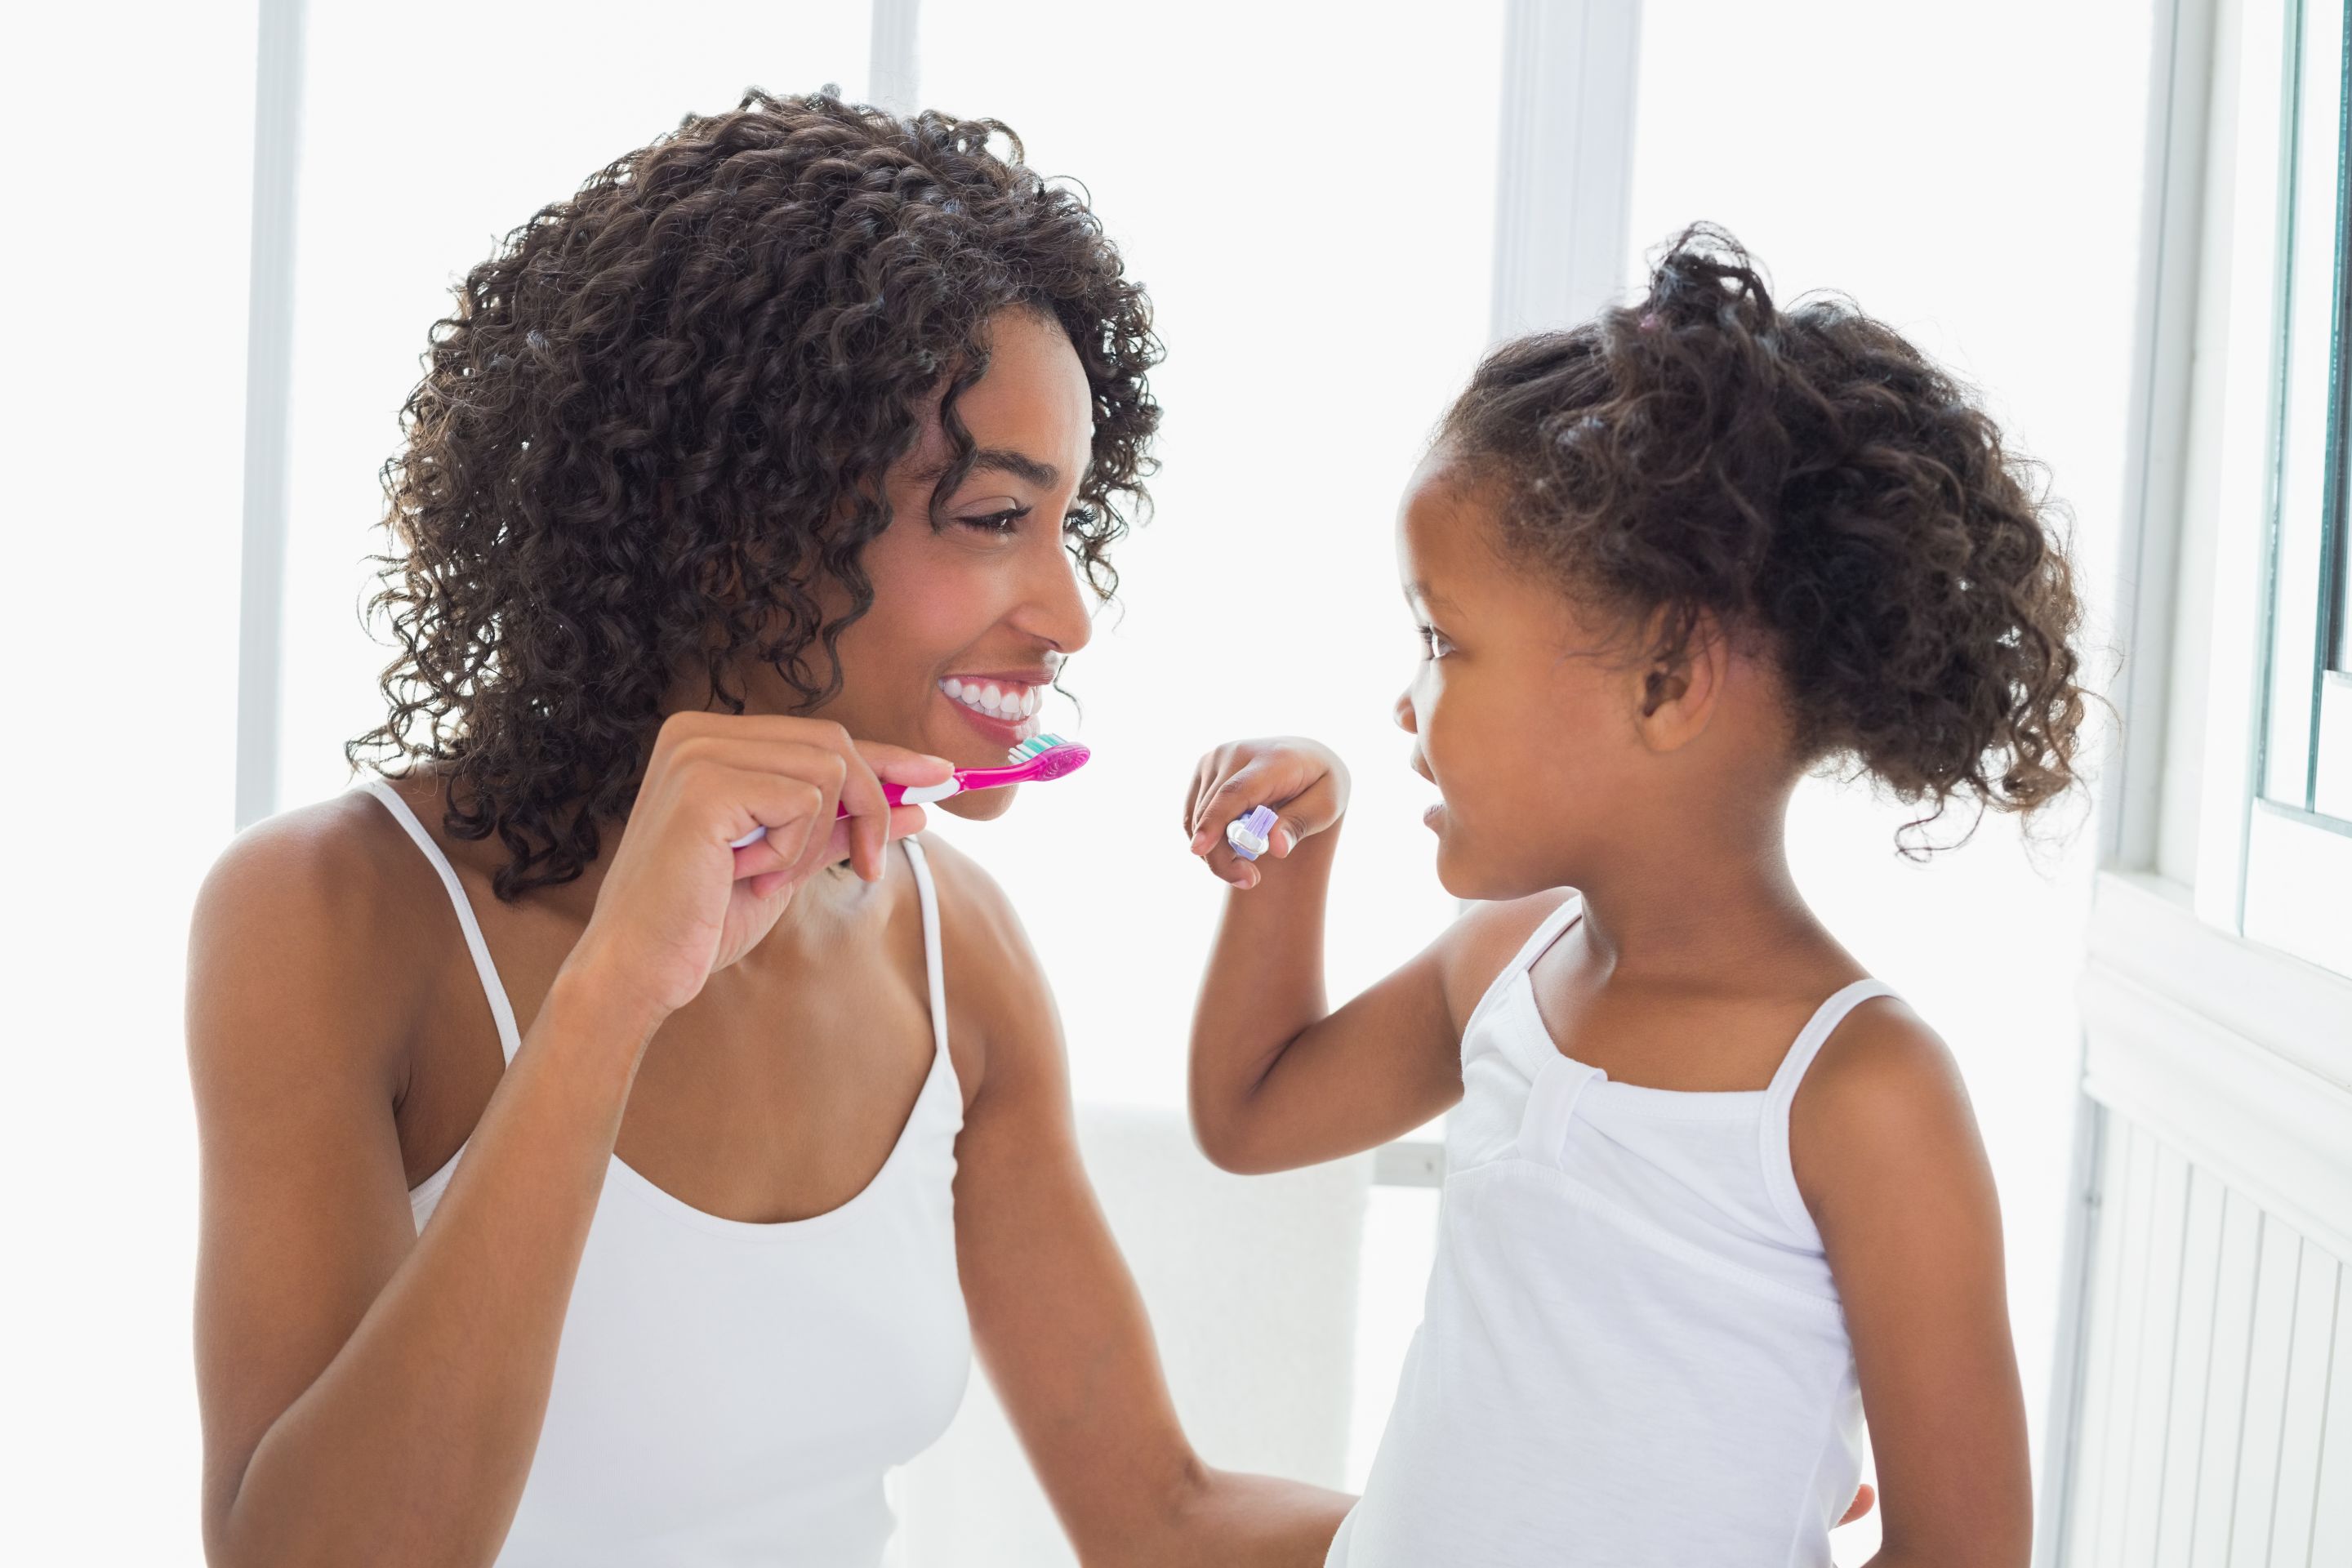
column 997, row 522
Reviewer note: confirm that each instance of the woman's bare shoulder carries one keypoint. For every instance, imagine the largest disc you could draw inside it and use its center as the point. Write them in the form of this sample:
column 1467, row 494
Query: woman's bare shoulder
column 305, row 932
column 996, row 985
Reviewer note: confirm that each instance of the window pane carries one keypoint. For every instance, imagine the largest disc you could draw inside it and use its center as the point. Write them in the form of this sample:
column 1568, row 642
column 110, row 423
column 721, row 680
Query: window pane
column 2311, row 413
column 430, row 129
column 1309, row 198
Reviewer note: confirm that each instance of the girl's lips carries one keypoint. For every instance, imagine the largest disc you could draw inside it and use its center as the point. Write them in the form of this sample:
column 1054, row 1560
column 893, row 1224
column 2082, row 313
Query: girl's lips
column 1433, row 814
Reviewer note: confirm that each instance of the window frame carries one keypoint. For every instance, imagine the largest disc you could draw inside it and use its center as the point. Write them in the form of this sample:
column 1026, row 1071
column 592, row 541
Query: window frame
column 2297, row 831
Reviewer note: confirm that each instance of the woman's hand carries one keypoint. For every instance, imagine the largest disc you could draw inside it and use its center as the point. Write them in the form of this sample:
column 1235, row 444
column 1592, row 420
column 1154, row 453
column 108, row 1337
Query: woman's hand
column 680, row 901
column 1305, row 782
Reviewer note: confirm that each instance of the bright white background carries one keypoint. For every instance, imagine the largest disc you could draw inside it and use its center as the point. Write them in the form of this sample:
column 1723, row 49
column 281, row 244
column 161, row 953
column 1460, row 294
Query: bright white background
column 1306, row 189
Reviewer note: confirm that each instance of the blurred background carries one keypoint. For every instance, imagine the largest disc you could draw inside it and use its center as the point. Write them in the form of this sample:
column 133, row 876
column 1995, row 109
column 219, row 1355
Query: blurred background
column 1312, row 192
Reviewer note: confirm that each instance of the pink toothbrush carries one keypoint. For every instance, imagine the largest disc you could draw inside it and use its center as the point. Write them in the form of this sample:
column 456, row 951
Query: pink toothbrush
column 1031, row 762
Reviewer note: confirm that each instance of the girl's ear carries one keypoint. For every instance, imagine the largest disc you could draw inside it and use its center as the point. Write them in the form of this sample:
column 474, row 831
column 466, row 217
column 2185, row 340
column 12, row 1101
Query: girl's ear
column 1677, row 696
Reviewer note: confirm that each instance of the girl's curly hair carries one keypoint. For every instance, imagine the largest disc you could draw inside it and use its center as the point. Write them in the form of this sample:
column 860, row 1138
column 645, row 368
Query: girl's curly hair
column 1809, row 475
column 656, row 426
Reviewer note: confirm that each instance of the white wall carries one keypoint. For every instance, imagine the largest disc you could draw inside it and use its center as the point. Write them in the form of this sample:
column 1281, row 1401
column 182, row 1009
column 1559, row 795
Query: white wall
column 121, row 411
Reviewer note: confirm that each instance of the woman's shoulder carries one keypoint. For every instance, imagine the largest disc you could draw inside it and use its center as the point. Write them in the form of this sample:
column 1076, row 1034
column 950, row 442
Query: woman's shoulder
column 974, row 909
column 314, row 911
column 996, row 986
column 329, row 866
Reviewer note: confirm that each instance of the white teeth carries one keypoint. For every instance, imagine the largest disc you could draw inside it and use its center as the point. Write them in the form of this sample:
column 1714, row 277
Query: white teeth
column 1010, row 702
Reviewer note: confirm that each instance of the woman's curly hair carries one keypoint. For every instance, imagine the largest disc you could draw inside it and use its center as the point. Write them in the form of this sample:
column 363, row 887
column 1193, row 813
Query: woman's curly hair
column 654, row 429
column 1809, row 476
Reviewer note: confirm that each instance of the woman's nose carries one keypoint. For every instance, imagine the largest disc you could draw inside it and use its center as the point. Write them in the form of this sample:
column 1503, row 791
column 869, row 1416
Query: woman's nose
column 1058, row 610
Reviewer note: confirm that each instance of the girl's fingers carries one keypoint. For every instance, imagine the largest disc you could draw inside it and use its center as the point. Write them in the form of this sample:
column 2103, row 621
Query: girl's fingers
column 1192, row 796
column 1306, row 813
column 1257, row 782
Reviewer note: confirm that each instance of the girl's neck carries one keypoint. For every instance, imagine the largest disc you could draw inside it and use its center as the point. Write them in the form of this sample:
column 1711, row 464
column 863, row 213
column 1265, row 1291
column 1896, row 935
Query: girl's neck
column 1692, row 905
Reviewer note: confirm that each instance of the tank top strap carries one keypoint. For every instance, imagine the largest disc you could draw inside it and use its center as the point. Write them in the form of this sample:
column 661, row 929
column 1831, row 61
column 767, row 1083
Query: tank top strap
column 1779, row 1173
column 1538, row 941
column 501, row 1011
column 933, row 968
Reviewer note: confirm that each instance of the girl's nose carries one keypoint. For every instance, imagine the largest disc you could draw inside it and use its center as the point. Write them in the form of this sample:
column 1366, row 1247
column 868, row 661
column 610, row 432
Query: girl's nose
column 1403, row 713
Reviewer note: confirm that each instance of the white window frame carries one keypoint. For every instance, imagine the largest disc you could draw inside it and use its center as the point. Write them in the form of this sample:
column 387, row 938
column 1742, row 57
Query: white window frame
column 2211, row 1016
column 2271, row 864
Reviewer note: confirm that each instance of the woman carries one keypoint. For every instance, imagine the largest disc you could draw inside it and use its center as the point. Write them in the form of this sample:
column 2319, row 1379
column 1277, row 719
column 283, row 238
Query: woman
column 736, row 485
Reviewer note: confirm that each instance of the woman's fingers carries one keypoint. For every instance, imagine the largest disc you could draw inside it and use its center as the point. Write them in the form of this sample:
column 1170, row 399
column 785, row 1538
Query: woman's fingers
column 787, row 806
column 847, row 772
column 905, row 820
column 900, row 766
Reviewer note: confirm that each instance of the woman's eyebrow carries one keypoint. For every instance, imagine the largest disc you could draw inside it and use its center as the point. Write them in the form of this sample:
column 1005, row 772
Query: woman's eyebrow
column 1020, row 464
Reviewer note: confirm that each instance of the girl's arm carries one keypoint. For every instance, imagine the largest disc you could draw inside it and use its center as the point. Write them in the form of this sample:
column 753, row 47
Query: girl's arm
column 1054, row 1313
column 1279, row 1080
column 371, row 1396
column 1888, row 1159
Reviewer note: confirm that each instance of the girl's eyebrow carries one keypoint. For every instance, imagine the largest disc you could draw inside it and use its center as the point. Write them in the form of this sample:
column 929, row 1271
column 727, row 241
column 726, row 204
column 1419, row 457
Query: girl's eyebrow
column 1417, row 589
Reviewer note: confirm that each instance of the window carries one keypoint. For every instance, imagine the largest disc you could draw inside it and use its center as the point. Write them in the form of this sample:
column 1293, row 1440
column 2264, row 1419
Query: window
column 2299, row 829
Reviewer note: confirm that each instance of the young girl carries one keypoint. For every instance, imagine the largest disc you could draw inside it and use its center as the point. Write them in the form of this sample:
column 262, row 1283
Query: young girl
column 1713, row 1193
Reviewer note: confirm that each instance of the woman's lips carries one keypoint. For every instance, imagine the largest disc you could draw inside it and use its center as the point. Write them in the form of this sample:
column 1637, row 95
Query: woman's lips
column 1004, row 732
column 1003, row 707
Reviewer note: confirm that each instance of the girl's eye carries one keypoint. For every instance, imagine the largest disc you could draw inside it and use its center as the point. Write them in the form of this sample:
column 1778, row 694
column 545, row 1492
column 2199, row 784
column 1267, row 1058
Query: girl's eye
column 1433, row 643
column 996, row 522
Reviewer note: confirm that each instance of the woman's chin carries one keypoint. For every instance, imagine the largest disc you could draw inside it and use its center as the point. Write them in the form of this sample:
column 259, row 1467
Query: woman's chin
column 981, row 804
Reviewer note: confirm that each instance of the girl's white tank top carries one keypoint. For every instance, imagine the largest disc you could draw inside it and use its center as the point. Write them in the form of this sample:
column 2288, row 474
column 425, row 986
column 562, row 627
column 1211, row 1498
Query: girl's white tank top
column 1631, row 1352
column 730, row 1394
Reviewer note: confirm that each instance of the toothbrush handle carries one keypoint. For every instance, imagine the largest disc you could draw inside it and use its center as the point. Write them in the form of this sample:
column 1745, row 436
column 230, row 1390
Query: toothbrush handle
column 896, row 793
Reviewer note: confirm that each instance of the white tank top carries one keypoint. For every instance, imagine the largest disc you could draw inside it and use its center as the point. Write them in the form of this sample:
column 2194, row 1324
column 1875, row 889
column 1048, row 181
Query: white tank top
column 730, row 1394
column 1632, row 1351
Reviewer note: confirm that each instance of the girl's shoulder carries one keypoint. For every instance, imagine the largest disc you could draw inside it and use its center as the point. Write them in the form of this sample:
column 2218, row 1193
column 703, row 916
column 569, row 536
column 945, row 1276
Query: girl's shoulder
column 1883, row 1100
column 1476, row 950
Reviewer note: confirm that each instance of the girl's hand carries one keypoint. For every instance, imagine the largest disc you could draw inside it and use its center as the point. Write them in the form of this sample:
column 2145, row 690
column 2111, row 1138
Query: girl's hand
column 680, row 903
column 1302, row 781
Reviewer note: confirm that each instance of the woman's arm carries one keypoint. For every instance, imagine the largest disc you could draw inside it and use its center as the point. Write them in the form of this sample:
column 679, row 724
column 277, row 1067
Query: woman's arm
column 1056, row 1315
column 371, row 1396
column 1279, row 1079
column 1887, row 1156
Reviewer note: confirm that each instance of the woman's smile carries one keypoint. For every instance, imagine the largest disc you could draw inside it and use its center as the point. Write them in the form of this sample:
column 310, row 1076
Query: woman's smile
column 1002, row 707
